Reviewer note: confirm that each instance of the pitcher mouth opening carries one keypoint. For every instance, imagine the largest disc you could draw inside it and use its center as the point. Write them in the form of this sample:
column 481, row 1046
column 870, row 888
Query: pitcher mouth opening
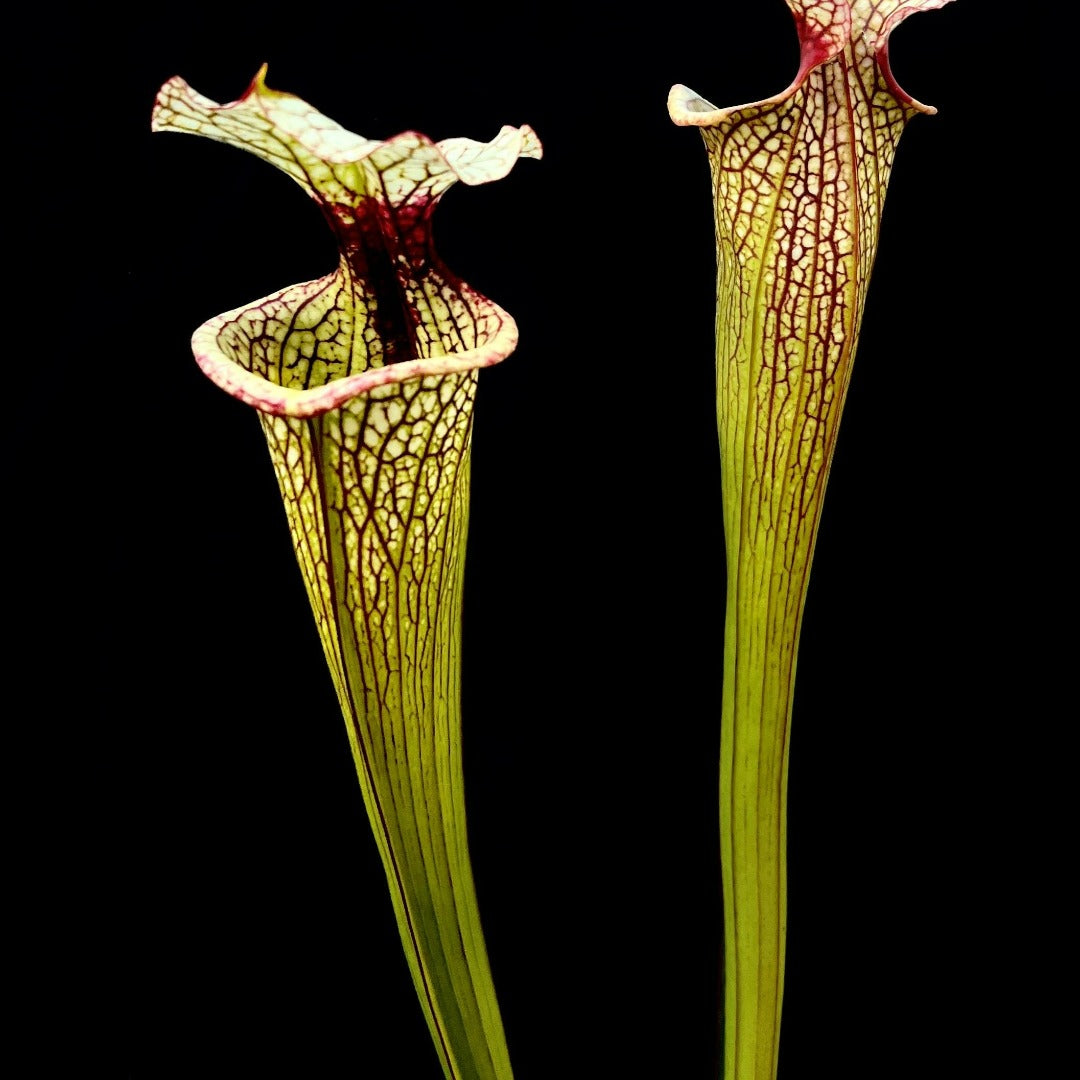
column 391, row 311
column 825, row 32
column 250, row 367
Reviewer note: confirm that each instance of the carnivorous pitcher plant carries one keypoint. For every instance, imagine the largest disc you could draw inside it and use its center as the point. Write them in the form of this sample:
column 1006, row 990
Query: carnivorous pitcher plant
column 363, row 382
column 798, row 183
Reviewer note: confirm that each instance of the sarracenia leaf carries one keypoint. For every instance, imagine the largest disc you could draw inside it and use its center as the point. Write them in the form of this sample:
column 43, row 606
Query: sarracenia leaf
column 364, row 383
column 798, row 183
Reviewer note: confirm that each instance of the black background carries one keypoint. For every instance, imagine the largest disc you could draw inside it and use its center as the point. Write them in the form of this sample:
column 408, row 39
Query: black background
column 212, row 895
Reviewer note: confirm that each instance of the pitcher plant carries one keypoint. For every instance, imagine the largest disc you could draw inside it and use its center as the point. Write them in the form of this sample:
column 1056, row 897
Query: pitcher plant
column 363, row 382
column 798, row 185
